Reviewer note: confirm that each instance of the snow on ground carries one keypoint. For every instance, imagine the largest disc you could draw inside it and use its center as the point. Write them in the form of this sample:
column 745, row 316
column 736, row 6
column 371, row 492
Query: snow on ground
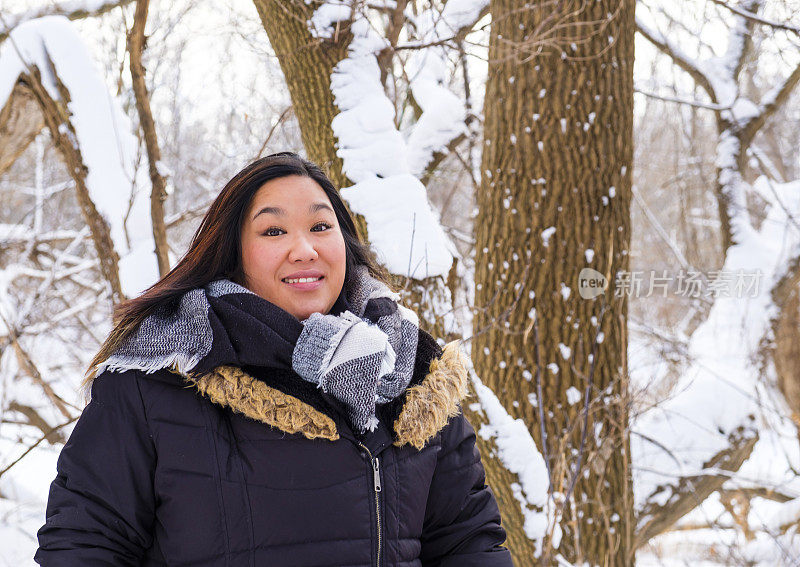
column 724, row 387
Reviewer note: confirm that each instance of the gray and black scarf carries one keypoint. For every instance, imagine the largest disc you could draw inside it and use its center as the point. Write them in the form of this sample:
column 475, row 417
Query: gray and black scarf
column 362, row 353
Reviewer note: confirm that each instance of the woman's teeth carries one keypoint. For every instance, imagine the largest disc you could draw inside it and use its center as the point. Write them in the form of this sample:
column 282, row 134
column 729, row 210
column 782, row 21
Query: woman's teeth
column 301, row 280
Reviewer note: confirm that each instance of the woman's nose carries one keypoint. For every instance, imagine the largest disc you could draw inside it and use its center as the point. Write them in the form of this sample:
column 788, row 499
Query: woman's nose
column 302, row 250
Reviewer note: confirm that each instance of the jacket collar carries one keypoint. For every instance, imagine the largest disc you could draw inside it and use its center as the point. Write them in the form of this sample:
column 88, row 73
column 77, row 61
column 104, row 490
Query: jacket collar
column 433, row 397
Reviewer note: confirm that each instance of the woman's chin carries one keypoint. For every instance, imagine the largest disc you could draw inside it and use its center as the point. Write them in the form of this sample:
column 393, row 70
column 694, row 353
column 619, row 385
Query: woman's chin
column 306, row 312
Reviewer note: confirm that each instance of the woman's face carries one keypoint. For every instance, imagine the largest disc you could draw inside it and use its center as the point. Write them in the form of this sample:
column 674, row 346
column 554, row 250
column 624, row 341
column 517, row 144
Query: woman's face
column 293, row 252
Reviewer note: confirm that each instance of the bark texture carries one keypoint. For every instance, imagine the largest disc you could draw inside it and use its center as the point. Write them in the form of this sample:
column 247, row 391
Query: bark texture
column 20, row 121
column 307, row 63
column 786, row 331
column 554, row 199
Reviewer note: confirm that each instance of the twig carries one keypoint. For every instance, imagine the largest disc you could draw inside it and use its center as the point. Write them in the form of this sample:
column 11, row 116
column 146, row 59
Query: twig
column 36, row 444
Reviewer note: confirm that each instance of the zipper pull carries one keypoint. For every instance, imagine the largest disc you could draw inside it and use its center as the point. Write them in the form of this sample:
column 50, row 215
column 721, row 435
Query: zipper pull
column 376, row 469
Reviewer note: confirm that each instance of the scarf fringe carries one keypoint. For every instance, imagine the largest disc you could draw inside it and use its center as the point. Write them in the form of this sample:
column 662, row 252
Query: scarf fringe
column 181, row 362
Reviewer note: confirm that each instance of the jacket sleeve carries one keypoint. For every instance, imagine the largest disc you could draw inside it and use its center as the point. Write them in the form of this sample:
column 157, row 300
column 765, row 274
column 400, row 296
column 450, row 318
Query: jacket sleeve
column 101, row 506
column 462, row 521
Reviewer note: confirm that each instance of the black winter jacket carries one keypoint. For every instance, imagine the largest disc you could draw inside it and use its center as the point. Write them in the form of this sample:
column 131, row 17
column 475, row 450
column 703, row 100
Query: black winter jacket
column 256, row 467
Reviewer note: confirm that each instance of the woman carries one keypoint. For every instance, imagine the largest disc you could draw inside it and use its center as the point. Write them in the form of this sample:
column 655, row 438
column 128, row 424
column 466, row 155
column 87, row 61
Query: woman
column 322, row 426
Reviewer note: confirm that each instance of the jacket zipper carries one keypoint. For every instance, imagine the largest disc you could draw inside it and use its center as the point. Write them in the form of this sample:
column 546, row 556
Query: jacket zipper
column 376, row 475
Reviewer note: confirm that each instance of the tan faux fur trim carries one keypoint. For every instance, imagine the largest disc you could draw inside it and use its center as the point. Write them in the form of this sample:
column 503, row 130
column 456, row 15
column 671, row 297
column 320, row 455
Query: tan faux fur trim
column 232, row 387
column 430, row 404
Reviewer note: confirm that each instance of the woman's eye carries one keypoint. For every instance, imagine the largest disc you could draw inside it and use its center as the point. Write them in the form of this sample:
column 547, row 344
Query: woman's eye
column 324, row 225
column 273, row 231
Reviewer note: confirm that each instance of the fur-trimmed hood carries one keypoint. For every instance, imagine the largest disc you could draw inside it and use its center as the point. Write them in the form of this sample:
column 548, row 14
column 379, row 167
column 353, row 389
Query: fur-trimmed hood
column 291, row 405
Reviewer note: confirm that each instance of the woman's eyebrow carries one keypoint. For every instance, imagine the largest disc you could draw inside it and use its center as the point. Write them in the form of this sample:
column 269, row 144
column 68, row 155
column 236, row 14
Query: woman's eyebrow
column 313, row 208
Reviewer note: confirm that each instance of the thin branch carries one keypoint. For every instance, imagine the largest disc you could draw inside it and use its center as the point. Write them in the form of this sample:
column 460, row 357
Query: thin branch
column 27, row 364
column 756, row 18
column 678, row 100
column 35, row 419
column 136, row 43
column 284, row 115
column 680, row 58
column 38, row 442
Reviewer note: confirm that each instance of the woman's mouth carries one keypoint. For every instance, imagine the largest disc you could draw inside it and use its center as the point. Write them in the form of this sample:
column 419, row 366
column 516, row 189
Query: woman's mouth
column 304, row 283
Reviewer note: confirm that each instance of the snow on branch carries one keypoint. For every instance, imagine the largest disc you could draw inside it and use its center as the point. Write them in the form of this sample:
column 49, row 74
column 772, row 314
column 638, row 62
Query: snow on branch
column 443, row 113
column 680, row 57
column 731, row 62
column 72, row 10
column 95, row 137
column 670, row 502
column 771, row 102
column 410, row 241
column 752, row 16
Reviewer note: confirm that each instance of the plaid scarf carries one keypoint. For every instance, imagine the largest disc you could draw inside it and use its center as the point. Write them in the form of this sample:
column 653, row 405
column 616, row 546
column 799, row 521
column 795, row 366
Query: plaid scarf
column 362, row 353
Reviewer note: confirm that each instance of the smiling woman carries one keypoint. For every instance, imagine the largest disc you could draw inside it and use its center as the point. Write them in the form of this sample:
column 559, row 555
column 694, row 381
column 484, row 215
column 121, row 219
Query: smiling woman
column 322, row 426
column 293, row 251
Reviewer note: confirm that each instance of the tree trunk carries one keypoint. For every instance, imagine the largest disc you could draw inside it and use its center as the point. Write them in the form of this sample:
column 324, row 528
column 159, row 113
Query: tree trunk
column 307, row 63
column 786, row 344
column 554, row 199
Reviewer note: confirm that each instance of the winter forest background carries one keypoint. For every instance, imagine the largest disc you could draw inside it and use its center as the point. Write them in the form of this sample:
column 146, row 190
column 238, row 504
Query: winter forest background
column 616, row 241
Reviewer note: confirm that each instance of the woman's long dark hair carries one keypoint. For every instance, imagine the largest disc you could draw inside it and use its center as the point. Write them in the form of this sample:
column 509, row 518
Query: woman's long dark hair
column 216, row 249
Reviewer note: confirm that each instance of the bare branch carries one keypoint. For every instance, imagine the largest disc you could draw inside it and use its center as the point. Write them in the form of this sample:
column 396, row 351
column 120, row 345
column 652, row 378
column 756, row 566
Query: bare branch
column 36, row 444
column 136, row 42
column 689, row 492
column 27, row 364
column 284, row 115
column 35, row 419
column 438, row 157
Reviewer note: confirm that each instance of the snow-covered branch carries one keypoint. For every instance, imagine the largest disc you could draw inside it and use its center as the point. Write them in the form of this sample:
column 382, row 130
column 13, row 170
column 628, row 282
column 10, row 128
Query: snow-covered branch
column 95, row 140
column 680, row 57
column 71, row 9
column 752, row 16
column 669, row 503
